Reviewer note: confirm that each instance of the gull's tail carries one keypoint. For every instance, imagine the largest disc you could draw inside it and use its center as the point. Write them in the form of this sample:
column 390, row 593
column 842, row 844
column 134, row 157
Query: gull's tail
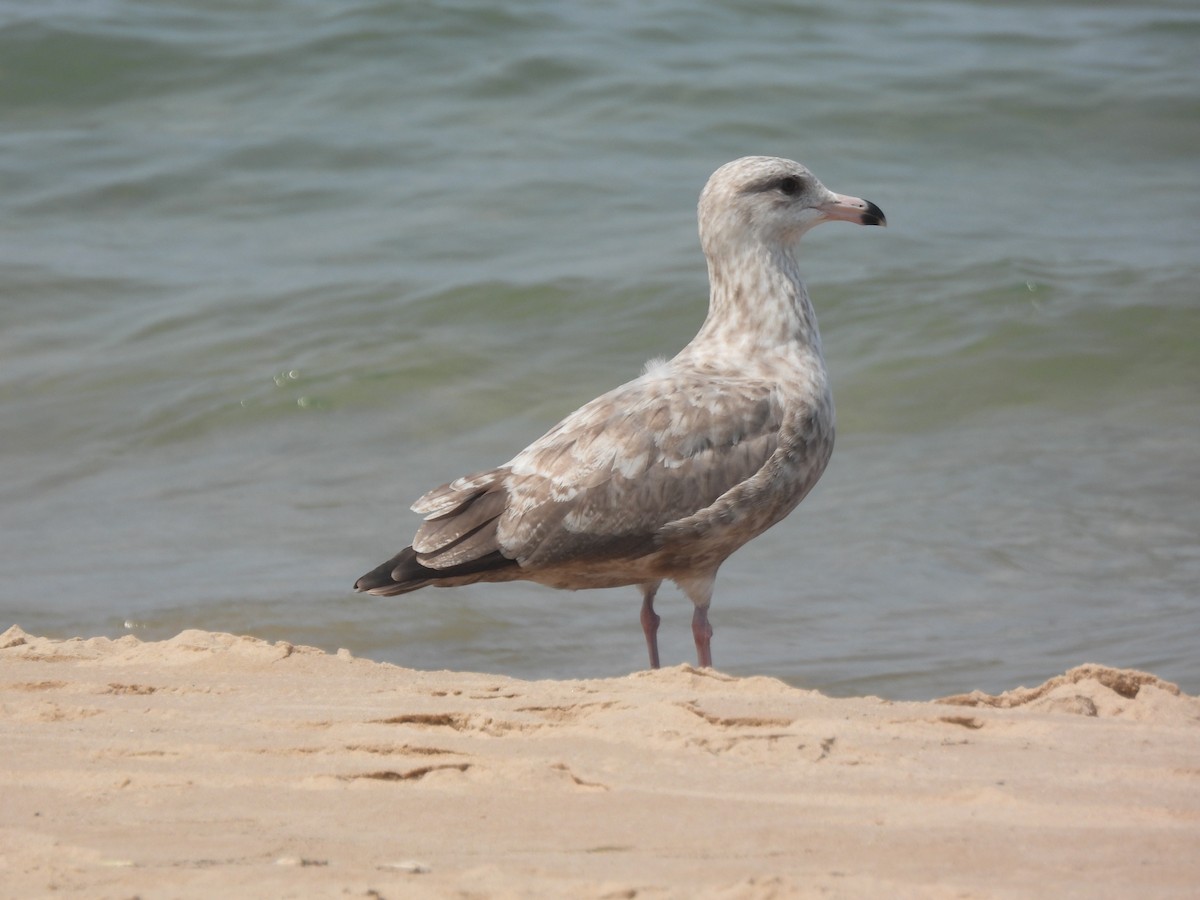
column 403, row 573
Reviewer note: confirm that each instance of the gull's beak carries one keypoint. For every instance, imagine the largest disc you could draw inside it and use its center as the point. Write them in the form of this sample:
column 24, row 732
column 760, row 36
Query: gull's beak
column 853, row 209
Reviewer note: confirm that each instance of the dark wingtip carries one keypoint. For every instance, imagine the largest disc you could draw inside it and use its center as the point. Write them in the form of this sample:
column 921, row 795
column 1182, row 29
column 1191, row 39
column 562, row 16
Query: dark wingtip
column 403, row 573
column 383, row 576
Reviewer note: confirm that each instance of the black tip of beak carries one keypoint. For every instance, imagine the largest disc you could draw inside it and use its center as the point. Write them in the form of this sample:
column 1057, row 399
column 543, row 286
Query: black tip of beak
column 873, row 215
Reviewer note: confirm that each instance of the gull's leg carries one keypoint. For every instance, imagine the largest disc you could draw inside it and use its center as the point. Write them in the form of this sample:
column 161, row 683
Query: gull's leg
column 650, row 620
column 699, row 591
column 702, row 632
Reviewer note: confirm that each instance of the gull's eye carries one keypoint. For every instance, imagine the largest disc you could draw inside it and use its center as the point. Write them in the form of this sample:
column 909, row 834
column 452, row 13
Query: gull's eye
column 790, row 185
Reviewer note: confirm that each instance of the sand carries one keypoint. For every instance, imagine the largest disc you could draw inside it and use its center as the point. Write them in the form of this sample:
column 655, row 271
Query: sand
column 214, row 765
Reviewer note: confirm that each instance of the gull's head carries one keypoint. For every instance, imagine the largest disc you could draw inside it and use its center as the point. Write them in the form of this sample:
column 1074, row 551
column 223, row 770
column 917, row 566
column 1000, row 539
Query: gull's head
column 767, row 201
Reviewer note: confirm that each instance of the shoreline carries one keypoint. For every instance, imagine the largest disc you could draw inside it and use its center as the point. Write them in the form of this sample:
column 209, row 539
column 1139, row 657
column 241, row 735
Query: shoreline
column 211, row 762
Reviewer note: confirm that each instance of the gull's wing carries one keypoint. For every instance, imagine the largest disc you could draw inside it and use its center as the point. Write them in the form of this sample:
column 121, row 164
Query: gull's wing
column 604, row 482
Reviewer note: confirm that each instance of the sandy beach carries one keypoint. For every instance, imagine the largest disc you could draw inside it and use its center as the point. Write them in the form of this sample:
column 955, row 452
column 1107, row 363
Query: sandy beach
column 211, row 765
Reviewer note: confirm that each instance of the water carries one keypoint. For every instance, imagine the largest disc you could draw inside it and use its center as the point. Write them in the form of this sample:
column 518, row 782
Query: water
column 270, row 270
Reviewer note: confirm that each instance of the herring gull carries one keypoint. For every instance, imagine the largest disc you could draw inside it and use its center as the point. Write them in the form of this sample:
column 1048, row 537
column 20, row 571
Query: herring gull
column 664, row 477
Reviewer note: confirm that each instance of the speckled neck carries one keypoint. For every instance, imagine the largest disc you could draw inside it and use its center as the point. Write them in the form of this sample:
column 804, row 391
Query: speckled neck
column 758, row 303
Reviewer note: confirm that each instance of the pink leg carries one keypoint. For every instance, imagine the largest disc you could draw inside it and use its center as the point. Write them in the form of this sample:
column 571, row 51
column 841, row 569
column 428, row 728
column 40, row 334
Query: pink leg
column 650, row 620
column 702, row 632
column 699, row 591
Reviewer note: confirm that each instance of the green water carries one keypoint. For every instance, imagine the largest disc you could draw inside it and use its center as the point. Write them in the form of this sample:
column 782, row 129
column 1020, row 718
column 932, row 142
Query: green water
column 269, row 271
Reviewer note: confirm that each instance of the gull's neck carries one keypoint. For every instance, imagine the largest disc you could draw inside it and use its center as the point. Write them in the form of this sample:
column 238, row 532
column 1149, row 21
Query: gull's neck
column 757, row 304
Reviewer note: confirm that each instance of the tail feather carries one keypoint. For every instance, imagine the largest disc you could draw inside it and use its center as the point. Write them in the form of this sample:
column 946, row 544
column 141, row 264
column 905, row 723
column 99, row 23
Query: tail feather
column 404, row 572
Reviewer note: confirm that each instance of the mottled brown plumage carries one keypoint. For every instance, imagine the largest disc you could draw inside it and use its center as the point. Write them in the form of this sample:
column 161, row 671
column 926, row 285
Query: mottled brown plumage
column 667, row 475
